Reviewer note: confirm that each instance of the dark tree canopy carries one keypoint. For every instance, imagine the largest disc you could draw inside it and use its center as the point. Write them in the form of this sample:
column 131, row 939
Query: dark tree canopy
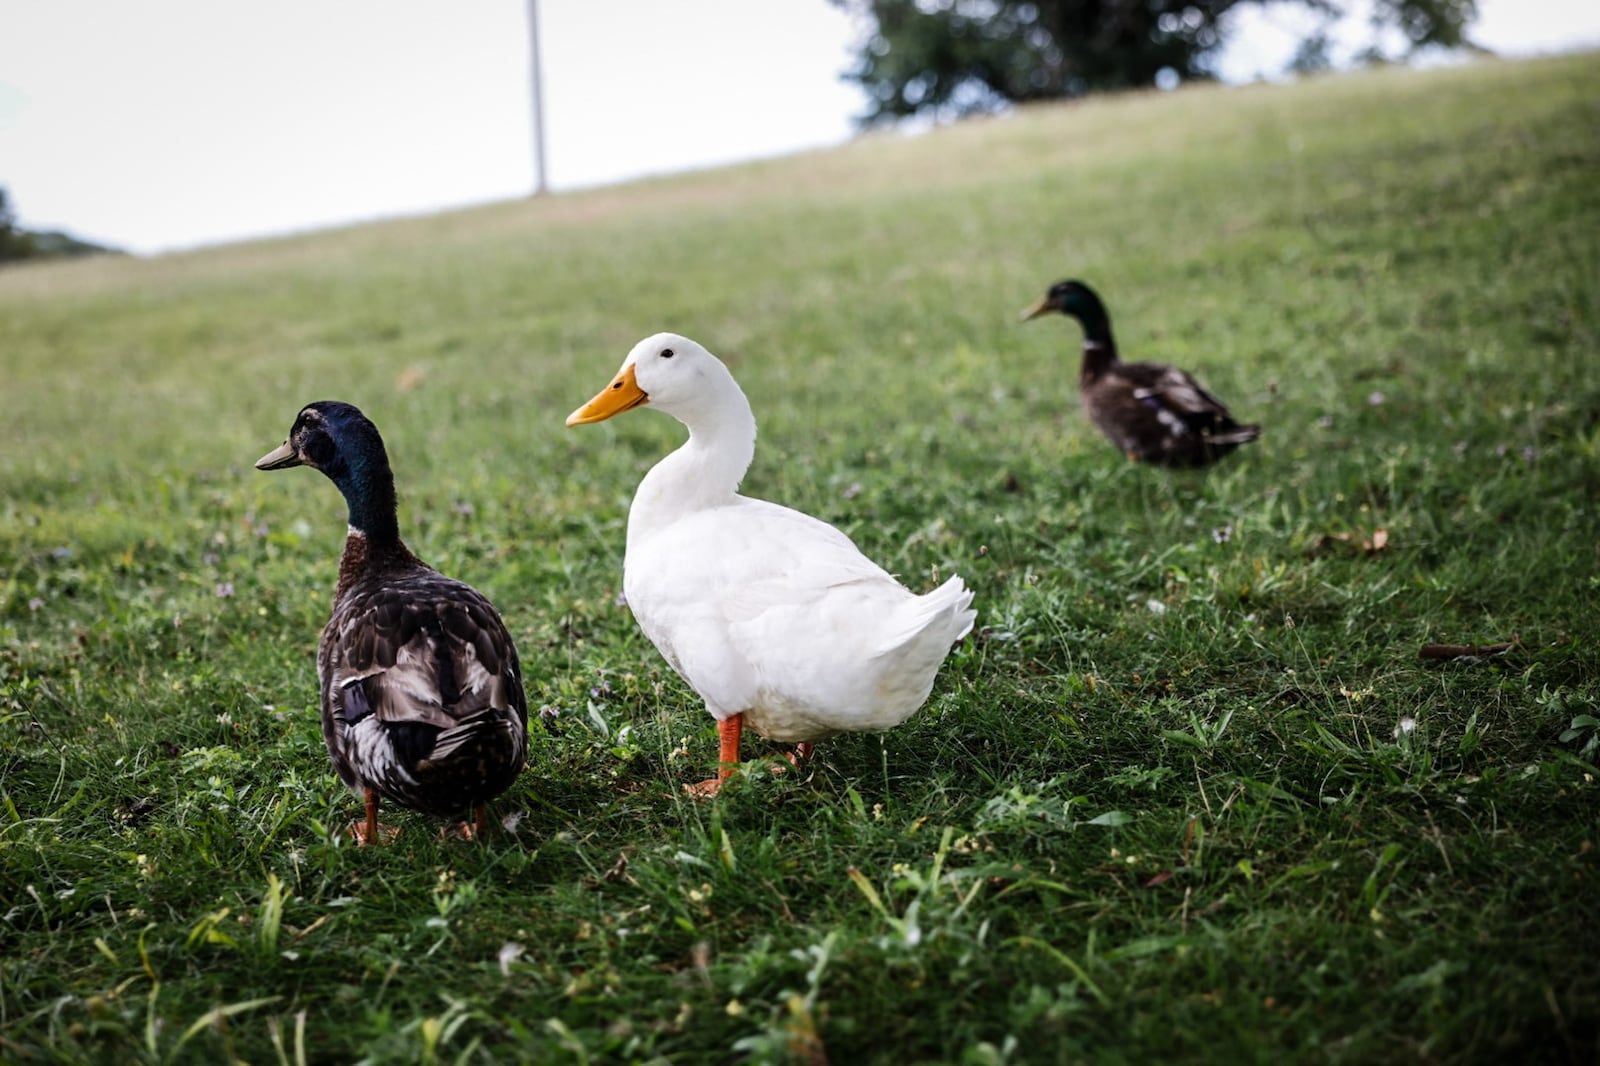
column 17, row 243
column 14, row 243
column 956, row 57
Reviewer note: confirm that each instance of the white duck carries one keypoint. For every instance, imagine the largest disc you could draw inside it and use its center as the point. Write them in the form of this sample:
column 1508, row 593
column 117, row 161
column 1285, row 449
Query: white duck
column 773, row 617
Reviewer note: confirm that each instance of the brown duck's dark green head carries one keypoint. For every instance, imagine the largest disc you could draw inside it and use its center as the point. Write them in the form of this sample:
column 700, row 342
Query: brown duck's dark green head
column 1076, row 299
column 337, row 439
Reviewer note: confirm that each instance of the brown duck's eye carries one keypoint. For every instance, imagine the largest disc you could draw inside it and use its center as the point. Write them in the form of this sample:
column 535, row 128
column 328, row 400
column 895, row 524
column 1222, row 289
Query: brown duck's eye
column 666, row 353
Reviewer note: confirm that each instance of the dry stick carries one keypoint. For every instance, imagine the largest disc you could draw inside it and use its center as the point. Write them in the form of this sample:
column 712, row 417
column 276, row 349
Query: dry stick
column 1457, row 651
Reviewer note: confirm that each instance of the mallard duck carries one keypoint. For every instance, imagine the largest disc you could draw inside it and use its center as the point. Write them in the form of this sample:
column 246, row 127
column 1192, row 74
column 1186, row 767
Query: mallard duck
column 1153, row 413
column 422, row 700
column 773, row 617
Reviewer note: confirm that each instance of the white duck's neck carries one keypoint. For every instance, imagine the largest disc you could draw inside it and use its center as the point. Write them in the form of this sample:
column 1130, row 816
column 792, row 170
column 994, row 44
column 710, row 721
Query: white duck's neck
column 705, row 472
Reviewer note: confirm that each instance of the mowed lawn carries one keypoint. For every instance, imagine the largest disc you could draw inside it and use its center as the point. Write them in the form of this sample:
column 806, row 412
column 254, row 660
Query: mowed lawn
column 1188, row 793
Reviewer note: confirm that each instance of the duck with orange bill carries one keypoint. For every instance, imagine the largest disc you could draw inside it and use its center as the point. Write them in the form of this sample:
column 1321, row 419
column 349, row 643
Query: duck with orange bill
column 775, row 618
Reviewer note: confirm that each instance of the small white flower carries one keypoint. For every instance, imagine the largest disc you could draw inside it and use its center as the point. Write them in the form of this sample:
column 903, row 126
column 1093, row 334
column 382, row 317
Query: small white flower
column 509, row 953
column 1407, row 726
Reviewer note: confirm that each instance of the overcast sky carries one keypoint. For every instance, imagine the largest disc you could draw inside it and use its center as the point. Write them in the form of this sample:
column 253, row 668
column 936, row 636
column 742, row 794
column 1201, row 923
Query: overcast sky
column 166, row 124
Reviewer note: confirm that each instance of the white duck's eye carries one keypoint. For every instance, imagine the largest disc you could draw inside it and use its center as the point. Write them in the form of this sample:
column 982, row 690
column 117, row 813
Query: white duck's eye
column 666, row 353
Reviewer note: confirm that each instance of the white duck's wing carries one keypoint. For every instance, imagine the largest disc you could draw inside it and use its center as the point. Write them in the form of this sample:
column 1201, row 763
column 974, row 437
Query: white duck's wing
column 771, row 612
column 708, row 589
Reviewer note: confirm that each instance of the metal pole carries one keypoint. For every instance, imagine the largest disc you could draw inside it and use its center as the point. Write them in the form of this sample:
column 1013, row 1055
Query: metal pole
column 539, row 185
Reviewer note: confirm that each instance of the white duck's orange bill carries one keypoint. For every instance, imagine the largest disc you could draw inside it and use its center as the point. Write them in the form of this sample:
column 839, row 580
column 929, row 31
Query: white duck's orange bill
column 623, row 394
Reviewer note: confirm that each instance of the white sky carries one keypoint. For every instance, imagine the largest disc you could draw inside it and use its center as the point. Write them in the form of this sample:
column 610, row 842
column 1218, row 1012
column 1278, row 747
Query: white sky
column 170, row 123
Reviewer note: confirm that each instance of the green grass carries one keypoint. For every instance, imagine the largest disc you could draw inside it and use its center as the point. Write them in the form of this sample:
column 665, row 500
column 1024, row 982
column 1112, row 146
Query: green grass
column 1160, row 807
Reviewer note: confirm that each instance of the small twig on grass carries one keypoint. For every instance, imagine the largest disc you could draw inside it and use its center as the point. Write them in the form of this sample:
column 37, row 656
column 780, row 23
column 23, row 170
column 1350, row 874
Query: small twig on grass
column 1468, row 652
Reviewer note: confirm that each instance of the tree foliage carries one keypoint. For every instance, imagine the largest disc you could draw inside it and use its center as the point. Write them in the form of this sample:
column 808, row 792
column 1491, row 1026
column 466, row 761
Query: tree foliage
column 14, row 242
column 956, row 57
column 17, row 243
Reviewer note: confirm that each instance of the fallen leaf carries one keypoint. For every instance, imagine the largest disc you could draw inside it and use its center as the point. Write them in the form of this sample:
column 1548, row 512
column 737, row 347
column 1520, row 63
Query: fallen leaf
column 619, row 871
column 1373, row 545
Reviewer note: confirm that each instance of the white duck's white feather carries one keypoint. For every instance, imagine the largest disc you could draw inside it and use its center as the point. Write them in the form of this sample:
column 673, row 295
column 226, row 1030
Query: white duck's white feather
column 764, row 610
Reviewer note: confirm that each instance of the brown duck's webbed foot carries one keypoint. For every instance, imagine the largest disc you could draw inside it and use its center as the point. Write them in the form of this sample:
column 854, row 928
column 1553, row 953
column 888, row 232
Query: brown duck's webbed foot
column 369, row 830
column 473, row 830
column 385, row 834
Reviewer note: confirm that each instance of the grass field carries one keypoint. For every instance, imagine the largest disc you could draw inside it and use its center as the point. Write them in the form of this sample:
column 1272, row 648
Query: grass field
column 1189, row 793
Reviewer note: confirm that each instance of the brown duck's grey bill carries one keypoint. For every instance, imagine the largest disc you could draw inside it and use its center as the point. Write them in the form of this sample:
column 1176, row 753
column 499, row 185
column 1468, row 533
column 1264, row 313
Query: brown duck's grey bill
column 1037, row 309
column 279, row 458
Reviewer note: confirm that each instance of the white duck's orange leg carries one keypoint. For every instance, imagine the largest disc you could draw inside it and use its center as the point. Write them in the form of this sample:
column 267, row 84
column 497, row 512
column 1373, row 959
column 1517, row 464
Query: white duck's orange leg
column 801, row 754
column 728, row 731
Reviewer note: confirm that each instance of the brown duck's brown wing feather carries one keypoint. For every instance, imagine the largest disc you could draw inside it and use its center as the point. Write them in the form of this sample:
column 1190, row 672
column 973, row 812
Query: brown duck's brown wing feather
column 1177, row 390
column 422, row 692
column 1160, row 414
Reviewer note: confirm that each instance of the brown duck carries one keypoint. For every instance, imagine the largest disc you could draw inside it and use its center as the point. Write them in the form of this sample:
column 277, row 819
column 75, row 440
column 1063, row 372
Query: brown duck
column 422, row 700
column 1152, row 412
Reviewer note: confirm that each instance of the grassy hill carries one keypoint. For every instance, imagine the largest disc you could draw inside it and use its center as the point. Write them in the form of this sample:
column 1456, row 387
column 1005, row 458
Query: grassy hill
column 1189, row 793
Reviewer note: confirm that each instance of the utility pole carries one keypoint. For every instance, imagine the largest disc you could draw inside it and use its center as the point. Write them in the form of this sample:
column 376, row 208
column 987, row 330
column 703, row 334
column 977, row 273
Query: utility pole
column 540, row 187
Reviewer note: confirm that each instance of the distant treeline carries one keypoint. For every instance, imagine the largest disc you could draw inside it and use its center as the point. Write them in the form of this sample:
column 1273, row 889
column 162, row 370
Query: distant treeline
column 17, row 243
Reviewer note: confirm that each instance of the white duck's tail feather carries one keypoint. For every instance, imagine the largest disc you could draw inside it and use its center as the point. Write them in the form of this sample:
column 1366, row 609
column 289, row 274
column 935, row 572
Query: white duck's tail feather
column 945, row 612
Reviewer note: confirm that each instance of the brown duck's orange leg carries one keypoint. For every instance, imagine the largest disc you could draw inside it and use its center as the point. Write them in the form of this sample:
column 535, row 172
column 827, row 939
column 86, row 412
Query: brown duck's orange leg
column 369, row 831
column 371, row 834
column 728, row 731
